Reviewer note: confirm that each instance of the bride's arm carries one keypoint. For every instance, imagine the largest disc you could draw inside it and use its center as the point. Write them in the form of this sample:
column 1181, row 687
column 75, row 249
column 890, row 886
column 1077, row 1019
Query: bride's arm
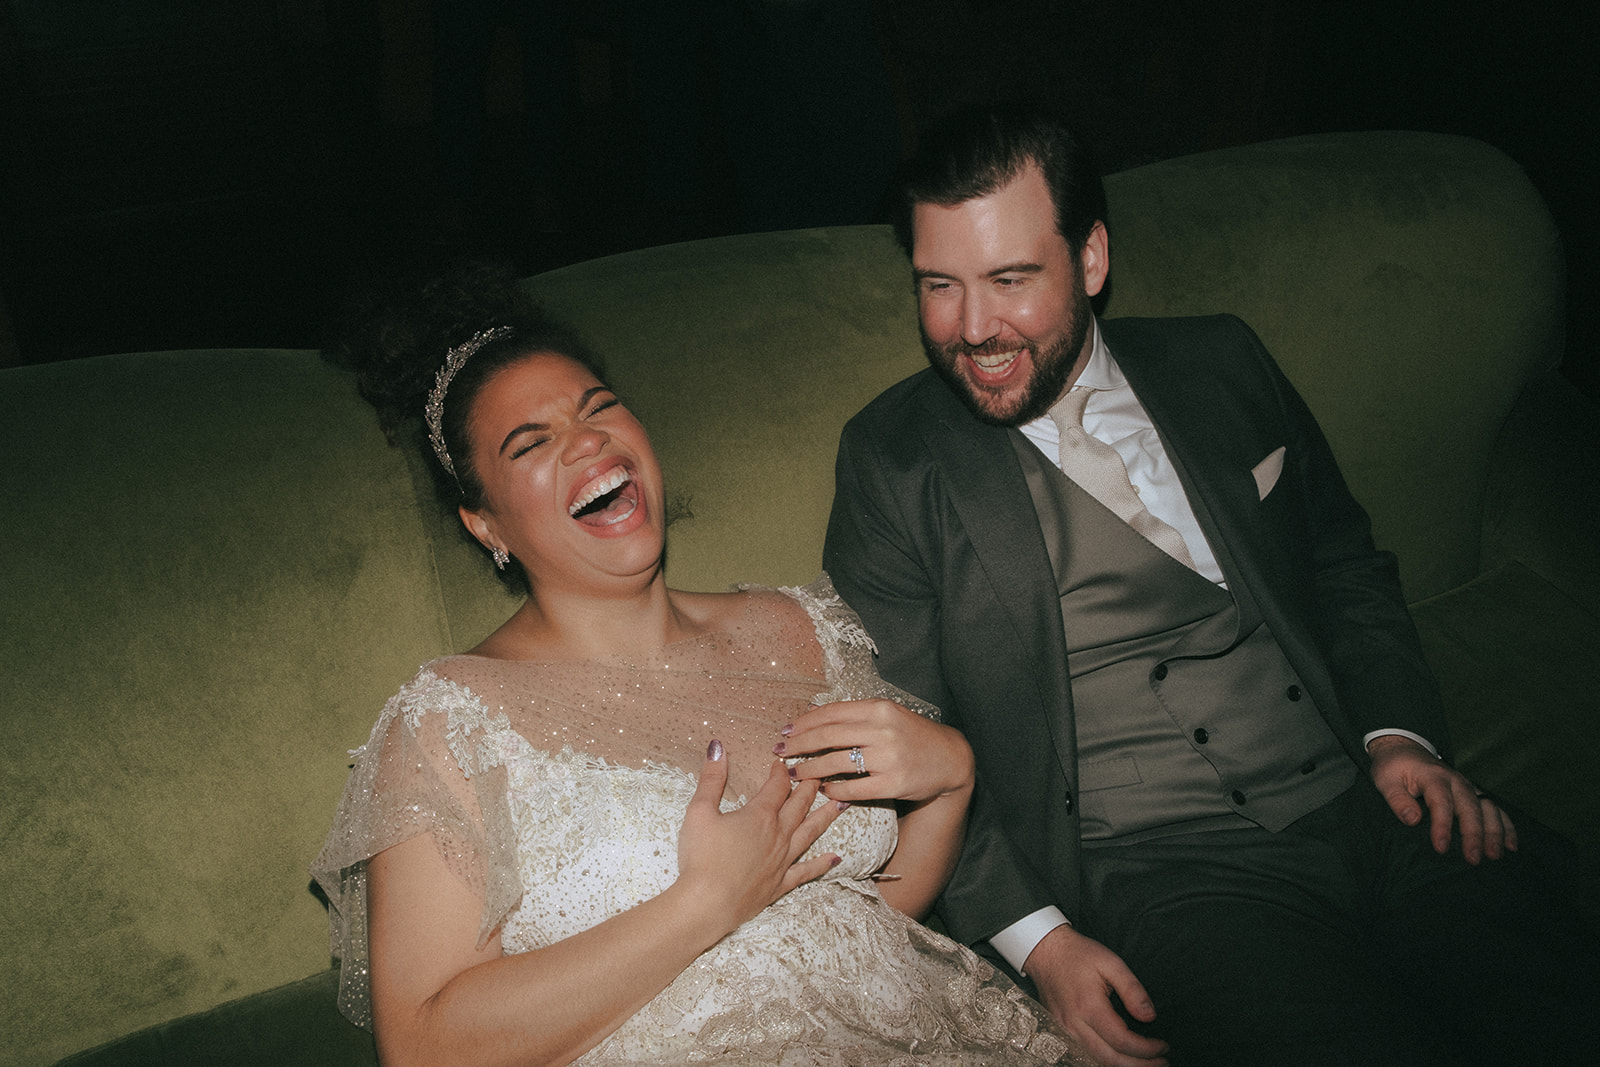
column 436, row 998
column 925, row 765
column 931, row 834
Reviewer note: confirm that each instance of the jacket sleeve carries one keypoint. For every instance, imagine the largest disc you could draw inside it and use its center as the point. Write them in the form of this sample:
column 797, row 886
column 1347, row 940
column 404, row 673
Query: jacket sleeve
column 1362, row 624
column 885, row 564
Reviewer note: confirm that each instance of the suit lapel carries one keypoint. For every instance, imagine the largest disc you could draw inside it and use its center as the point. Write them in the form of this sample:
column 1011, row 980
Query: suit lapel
column 986, row 486
column 1208, row 442
column 991, row 498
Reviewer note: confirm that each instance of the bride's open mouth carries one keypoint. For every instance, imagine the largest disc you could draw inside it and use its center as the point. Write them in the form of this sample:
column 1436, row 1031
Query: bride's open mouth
column 607, row 500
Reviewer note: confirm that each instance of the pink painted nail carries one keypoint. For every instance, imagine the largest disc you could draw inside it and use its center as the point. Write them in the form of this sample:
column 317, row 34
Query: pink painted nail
column 714, row 751
column 777, row 749
column 794, row 772
column 787, row 730
column 842, row 804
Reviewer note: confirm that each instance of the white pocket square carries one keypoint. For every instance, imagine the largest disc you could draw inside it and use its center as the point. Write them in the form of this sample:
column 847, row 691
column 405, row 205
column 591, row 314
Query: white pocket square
column 1266, row 472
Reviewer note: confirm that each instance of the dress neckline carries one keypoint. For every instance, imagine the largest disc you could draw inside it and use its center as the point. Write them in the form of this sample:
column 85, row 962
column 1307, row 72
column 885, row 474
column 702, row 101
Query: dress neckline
column 750, row 595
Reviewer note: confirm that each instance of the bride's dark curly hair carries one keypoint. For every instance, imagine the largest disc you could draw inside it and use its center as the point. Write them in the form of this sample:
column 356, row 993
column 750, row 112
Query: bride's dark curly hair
column 396, row 334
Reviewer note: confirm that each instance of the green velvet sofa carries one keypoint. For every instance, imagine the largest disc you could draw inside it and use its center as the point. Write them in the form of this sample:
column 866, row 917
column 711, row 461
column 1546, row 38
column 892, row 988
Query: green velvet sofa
column 213, row 570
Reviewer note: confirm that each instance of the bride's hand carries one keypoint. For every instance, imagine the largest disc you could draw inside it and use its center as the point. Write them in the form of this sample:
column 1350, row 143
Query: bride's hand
column 906, row 756
column 734, row 864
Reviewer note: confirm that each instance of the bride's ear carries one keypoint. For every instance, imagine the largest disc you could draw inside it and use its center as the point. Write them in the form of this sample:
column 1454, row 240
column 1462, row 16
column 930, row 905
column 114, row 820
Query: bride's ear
column 479, row 526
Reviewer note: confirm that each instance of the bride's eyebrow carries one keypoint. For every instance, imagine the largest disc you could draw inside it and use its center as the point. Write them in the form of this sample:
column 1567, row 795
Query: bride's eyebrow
column 527, row 427
column 535, row 427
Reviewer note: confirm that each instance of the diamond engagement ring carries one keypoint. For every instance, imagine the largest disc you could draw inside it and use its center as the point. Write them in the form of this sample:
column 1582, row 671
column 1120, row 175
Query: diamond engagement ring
column 859, row 760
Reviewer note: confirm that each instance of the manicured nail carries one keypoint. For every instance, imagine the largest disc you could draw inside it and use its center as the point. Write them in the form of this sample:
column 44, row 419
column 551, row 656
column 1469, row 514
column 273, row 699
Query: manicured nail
column 777, row 749
column 794, row 772
column 714, row 751
column 835, row 861
column 787, row 730
column 842, row 804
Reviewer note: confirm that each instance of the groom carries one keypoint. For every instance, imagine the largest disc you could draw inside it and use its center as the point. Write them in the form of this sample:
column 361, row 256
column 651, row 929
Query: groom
column 1212, row 820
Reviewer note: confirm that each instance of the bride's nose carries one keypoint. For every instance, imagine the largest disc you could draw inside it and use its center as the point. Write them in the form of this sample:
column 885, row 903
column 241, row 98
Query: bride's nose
column 583, row 442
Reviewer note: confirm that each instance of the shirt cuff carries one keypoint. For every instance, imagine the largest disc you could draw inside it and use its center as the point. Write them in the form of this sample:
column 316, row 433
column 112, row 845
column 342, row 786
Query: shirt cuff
column 1019, row 939
column 1423, row 741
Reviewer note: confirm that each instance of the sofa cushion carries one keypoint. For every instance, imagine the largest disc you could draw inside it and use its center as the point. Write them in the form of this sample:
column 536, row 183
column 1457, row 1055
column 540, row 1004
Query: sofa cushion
column 1512, row 653
column 293, row 1025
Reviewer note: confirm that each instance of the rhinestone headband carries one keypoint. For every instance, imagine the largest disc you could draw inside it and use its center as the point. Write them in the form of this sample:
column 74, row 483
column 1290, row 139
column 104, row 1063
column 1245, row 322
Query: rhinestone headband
column 433, row 411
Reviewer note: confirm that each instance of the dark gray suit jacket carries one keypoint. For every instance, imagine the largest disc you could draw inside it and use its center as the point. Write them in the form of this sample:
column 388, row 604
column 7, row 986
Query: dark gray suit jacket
column 934, row 540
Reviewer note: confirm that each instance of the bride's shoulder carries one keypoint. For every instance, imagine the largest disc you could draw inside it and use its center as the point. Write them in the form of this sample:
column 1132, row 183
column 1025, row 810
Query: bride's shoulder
column 819, row 601
column 819, row 608
column 436, row 687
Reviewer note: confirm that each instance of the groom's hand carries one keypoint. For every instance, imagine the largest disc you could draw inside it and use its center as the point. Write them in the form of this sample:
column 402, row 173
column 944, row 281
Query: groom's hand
column 1076, row 976
column 1406, row 773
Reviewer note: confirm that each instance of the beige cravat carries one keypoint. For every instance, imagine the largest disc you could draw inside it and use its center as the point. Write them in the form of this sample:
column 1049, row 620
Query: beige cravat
column 1100, row 472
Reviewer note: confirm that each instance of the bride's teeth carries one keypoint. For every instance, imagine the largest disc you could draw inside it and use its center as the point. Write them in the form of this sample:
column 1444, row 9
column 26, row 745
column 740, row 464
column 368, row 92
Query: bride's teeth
column 599, row 488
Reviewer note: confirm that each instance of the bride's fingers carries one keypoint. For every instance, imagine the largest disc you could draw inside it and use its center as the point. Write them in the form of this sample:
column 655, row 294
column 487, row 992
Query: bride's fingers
column 808, row 871
column 796, row 809
column 813, row 826
column 843, row 735
column 851, row 790
column 832, row 764
column 774, row 792
column 713, row 777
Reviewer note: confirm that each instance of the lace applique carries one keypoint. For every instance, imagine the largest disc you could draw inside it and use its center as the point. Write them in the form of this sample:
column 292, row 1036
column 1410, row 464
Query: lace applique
column 848, row 649
column 836, row 623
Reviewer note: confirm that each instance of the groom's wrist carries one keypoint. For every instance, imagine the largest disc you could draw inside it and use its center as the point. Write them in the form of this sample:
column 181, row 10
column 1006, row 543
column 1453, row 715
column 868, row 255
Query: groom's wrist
column 1017, row 941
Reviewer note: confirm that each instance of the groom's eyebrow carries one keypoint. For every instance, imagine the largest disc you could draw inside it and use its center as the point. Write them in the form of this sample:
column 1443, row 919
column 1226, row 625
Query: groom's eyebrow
column 1024, row 267
column 1016, row 268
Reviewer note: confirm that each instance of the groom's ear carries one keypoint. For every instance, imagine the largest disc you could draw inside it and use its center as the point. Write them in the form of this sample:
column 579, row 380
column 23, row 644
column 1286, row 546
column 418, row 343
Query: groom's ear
column 1094, row 260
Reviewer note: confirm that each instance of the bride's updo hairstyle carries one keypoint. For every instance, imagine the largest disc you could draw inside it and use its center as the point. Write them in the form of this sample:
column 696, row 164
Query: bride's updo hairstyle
column 397, row 336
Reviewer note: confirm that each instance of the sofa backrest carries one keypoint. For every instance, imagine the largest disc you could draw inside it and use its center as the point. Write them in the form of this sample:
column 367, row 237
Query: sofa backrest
column 213, row 570
column 1408, row 283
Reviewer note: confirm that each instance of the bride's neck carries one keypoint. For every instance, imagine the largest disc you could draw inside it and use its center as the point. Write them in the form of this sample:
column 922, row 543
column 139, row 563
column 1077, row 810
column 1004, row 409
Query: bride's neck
column 565, row 624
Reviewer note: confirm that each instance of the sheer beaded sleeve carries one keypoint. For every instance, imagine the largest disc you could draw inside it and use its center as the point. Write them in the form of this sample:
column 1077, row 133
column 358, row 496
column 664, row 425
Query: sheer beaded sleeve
column 421, row 772
column 847, row 650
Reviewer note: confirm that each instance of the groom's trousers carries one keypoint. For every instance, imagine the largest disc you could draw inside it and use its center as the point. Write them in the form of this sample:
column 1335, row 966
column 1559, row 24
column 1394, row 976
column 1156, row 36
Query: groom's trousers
column 1346, row 940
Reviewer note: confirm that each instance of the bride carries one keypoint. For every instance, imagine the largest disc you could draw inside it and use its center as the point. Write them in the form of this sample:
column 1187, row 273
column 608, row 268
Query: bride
column 635, row 824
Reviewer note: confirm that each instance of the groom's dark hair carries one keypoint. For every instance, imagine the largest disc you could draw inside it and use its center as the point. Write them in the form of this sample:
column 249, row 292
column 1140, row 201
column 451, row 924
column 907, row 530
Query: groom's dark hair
column 977, row 151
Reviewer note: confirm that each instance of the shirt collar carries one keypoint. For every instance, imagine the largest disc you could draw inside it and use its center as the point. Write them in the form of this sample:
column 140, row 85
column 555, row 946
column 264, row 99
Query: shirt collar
column 1101, row 372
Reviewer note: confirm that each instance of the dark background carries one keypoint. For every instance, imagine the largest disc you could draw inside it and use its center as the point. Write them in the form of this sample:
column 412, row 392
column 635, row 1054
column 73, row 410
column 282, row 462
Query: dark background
column 218, row 173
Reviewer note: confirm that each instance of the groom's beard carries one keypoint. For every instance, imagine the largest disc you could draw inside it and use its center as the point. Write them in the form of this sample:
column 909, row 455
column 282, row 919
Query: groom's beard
column 1014, row 404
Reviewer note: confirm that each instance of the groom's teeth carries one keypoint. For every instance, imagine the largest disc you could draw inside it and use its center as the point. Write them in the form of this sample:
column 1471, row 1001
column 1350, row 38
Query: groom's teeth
column 599, row 488
column 996, row 360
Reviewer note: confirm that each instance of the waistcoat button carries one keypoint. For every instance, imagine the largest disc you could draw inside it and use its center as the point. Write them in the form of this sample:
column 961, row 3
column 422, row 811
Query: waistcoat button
column 1238, row 797
column 1308, row 766
column 1160, row 672
column 1066, row 800
column 1293, row 692
column 1201, row 737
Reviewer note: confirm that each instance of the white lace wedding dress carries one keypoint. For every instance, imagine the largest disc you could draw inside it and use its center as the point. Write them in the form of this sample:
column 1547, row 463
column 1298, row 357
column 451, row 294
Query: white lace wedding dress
column 556, row 791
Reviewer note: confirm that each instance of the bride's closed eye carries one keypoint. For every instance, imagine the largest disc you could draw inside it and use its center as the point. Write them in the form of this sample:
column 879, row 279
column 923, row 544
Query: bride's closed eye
column 528, row 447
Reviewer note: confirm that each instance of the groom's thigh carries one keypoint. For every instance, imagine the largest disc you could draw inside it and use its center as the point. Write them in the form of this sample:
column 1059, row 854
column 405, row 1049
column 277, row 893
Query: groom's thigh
column 1251, row 948
column 1495, row 949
